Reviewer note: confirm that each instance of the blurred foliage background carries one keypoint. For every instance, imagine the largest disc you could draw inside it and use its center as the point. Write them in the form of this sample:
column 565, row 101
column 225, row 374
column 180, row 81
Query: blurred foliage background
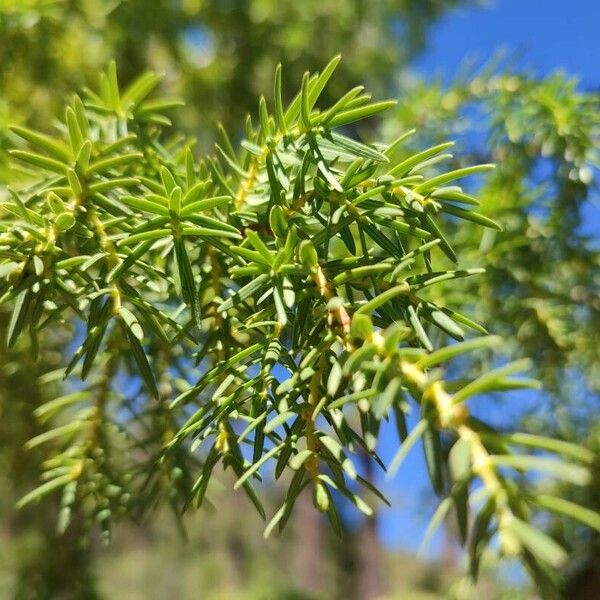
column 541, row 290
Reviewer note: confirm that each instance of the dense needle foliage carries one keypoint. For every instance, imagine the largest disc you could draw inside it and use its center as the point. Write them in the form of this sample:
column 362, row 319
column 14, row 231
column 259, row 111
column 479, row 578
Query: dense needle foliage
column 268, row 306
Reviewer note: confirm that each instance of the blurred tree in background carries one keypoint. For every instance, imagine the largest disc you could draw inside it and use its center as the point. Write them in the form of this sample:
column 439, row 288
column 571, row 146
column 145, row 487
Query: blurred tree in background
column 542, row 282
column 541, row 287
column 218, row 55
column 35, row 560
column 542, row 279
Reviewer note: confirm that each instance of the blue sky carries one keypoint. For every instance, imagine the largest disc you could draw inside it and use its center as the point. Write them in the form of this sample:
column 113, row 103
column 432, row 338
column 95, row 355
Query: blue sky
column 544, row 35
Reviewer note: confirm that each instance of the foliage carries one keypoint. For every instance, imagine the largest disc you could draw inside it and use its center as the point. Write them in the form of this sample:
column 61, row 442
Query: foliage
column 253, row 306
